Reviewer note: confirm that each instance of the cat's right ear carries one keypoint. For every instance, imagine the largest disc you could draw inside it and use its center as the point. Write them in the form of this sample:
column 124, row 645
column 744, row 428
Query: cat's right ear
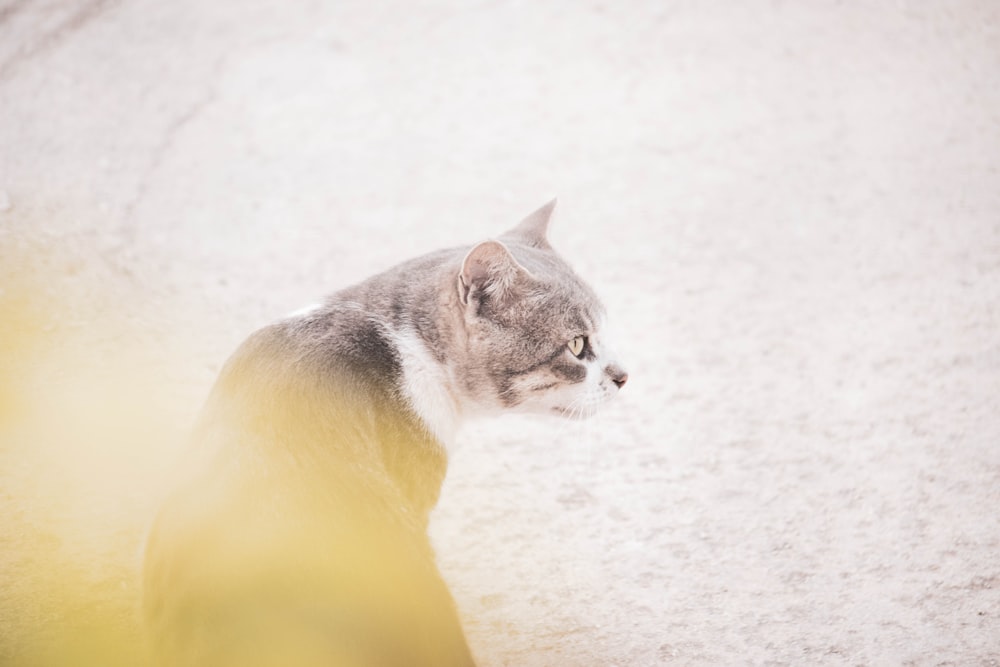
column 533, row 230
column 488, row 270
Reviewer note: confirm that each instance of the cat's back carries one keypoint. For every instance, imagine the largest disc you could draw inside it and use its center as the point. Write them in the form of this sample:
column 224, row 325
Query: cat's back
column 313, row 504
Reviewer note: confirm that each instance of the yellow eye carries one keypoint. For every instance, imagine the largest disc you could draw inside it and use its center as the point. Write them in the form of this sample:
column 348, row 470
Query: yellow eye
column 576, row 346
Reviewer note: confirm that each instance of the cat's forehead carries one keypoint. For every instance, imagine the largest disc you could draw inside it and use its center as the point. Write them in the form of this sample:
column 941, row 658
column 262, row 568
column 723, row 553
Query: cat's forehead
column 558, row 277
column 579, row 316
column 566, row 307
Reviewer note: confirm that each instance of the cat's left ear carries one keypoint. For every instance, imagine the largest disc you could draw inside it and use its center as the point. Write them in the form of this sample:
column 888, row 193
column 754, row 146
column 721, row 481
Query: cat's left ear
column 490, row 271
column 533, row 229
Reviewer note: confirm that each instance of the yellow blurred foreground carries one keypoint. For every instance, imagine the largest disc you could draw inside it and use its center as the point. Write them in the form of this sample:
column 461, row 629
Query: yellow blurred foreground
column 297, row 554
column 87, row 432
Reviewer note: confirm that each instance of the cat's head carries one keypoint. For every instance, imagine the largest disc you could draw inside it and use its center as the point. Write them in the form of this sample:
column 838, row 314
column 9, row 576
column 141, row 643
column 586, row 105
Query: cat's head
column 535, row 339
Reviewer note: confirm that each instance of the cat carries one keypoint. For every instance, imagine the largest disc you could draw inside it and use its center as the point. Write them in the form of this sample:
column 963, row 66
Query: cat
column 304, row 541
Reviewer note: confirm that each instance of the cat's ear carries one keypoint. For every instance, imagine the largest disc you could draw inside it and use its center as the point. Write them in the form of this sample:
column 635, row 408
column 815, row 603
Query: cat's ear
column 489, row 270
column 532, row 230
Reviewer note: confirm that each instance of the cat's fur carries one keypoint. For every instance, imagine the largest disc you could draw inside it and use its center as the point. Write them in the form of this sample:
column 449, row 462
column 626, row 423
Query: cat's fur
column 304, row 542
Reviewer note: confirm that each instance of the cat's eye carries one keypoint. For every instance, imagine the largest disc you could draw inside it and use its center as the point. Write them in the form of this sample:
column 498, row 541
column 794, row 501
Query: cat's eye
column 577, row 345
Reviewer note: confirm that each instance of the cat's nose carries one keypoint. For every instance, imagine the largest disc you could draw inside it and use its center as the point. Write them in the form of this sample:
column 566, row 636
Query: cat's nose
column 618, row 376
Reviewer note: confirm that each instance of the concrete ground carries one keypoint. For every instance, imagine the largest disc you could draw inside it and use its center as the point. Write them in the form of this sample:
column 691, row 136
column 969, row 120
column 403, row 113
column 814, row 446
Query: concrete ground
column 792, row 211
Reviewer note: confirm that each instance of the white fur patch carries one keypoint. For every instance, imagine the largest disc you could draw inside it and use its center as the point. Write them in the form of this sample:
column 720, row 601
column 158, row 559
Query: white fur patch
column 425, row 383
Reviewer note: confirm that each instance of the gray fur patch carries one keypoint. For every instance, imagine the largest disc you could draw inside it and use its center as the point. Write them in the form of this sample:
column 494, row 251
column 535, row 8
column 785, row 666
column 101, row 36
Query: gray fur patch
column 569, row 372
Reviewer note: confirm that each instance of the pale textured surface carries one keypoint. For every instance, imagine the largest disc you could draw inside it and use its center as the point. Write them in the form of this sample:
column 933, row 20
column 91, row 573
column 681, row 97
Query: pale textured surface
column 793, row 213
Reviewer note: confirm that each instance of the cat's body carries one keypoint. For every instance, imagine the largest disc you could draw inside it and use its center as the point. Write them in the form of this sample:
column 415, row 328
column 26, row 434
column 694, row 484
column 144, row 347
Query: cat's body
column 304, row 542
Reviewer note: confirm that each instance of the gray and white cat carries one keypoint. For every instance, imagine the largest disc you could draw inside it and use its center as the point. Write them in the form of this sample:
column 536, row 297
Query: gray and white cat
column 305, row 540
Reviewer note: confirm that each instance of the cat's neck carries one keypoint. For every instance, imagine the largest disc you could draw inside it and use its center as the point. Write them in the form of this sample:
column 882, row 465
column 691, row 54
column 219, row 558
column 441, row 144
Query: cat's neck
column 428, row 386
column 417, row 306
column 426, row 339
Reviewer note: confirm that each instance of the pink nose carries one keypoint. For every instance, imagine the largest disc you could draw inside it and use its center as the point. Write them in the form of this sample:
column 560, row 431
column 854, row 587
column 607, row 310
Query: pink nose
column 619, row 377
